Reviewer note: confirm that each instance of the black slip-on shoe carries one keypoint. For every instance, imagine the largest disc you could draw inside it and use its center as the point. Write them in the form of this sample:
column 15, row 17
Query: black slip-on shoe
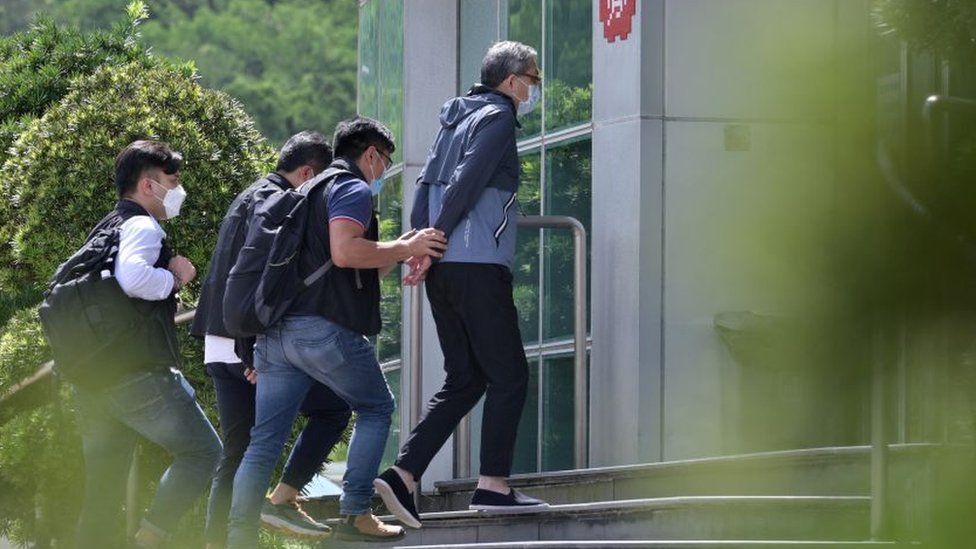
column 512, row 502
column 397, row 499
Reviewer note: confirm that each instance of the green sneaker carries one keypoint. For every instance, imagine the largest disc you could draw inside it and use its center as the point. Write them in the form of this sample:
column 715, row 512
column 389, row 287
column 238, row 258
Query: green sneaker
column 290, row 519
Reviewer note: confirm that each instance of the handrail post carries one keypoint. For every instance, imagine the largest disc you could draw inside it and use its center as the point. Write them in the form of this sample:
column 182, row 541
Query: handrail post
column 581, row 375
column 463, row 447
column 879, row 445
column 412, row 389
column 132, row 495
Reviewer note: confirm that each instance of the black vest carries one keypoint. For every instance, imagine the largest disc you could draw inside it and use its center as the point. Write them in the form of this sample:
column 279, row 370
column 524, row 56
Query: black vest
column 156, row 346
column 348, row 297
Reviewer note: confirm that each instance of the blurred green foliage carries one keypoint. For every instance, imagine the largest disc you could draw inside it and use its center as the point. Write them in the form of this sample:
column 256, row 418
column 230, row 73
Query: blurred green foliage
column 943, row 27
column 292, row 63
column 71, row 99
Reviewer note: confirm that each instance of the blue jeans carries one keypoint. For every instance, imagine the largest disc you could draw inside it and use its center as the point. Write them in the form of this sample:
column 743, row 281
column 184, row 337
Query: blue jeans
column 290, row 357
column 327, row 416
column 160, row 407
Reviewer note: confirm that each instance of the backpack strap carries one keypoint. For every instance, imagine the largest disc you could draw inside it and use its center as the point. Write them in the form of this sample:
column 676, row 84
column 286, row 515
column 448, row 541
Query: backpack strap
column 328, row 177
column 319, row 273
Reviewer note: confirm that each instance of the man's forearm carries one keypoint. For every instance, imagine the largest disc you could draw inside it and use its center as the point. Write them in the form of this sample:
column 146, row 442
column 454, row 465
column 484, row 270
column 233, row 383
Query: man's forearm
column 360, row 253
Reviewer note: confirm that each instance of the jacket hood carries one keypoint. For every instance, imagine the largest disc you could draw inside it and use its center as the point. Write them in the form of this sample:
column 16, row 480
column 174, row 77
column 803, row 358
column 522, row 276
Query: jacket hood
column 477, row 98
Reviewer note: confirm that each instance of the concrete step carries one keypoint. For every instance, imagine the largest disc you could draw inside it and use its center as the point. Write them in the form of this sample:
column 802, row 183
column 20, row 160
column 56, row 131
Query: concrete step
column 678, row 518
column 838, row 471
column 669, row 544
column 841, row 471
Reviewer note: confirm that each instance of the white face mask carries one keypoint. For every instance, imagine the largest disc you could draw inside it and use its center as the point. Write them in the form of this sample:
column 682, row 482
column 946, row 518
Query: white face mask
column 172, row 199
column 535, row 93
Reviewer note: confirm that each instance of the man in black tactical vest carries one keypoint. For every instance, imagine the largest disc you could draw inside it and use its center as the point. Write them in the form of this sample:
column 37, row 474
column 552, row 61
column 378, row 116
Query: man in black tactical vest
column 323, row 337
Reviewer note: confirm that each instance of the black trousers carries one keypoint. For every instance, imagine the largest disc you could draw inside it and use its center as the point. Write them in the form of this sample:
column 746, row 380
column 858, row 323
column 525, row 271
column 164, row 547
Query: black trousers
column 477, row 325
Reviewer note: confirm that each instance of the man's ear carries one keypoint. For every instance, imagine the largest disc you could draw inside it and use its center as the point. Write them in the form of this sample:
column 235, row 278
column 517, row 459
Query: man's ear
column 509, row 82
column 144, row 185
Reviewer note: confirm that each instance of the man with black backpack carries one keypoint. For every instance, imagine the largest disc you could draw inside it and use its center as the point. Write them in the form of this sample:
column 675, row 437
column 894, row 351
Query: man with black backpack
column 322, row 335
column 303, row 156
column 130, row 387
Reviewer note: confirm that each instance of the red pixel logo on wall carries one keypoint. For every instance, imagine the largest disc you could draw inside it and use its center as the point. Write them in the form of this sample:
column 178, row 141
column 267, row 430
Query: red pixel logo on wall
column 617, row 17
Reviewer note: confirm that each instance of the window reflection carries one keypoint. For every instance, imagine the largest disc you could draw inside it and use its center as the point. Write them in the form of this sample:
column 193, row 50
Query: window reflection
column 568, row 63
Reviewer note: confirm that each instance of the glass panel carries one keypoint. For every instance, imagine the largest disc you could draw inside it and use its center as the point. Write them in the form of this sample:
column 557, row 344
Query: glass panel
column 557, row 409
column 526, row 268
column 390, row 48
column 527, row 444
column 368, row 59
column 525, row 25
column 479, row 30
column 568, row 192
column 393, row 440
column 390, row 207
column 568, row 62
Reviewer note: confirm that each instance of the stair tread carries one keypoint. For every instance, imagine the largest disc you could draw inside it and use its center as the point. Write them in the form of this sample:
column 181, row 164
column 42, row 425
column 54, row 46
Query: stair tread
column 655, row 503
column 573, row 476
column 645, row 504
column 662, row 544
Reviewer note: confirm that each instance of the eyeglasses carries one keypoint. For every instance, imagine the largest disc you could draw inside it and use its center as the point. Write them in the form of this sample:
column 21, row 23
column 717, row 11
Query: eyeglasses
column 389, row 161
column 536, row 78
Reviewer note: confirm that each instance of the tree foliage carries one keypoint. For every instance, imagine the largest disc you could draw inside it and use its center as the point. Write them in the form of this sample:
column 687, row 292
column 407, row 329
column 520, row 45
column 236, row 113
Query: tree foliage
column 292, row 63
column 943, row 27
column 57, row 178
column 37, row 65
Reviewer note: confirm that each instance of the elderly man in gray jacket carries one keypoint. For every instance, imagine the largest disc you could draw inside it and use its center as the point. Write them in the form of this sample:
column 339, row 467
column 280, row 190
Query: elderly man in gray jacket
column 468, row 190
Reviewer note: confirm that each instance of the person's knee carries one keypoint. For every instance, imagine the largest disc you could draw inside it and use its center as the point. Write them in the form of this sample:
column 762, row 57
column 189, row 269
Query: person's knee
column 330, row 417
column 465, row 385
column 515, row 381
column 211, row 452
column 380, row 409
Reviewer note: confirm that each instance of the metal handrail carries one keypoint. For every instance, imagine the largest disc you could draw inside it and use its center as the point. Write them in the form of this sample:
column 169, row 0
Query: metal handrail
column 941, row 104
column 44, row 372
column 412, row 391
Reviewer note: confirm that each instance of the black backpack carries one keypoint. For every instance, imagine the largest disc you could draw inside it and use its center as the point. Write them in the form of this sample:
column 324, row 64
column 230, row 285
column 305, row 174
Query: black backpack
column 265, row 279
column 86, row 316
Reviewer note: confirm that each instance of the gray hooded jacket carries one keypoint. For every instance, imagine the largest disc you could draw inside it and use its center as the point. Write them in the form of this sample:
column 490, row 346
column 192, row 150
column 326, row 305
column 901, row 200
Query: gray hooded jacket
column 468, row 186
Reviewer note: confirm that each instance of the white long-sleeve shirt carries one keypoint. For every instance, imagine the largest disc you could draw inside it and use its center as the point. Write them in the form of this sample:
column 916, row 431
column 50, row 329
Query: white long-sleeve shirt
column 140, row 241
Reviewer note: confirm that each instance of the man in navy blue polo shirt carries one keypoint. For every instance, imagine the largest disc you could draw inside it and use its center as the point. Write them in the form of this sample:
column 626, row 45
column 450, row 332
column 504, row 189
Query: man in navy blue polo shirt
column 323, row 337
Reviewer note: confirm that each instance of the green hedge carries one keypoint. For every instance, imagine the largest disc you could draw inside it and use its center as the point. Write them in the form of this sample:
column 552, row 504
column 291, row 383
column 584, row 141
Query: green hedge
column 58, row 182
column 37, row 65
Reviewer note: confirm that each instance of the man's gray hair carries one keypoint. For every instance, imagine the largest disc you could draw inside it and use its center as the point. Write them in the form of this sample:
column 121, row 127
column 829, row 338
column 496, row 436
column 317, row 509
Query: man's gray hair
column 505, row 58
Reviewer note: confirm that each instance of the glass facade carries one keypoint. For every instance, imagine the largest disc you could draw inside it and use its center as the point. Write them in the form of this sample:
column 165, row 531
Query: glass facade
column 380, row 96
column 380, row 93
